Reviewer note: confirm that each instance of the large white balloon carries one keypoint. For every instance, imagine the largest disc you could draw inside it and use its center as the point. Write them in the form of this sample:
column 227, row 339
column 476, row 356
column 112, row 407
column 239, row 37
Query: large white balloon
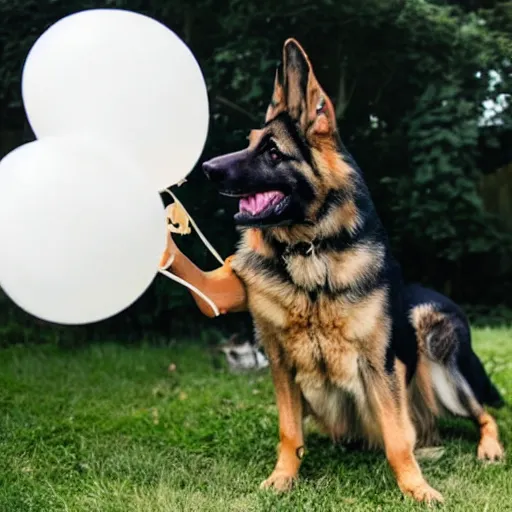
column 81, row 230
column 123, row 77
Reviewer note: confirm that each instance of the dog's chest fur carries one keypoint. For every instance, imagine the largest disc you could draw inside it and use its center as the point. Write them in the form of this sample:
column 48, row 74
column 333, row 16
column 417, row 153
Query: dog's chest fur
column 327, row 339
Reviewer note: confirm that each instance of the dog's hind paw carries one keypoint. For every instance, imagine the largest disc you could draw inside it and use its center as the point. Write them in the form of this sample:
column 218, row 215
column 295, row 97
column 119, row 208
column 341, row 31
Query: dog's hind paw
column 279, row 481
column 490, row 450
column 423, row 493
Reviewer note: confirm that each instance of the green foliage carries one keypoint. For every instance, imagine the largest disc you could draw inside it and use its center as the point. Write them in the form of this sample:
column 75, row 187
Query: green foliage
column 438, row 204
column 388, row 66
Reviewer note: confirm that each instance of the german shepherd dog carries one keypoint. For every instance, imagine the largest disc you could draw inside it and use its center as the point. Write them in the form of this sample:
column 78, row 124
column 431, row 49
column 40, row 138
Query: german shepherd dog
column 347, row 341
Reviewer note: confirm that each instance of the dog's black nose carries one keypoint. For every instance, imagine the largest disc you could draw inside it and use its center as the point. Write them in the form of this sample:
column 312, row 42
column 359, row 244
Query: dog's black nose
column 214, row 171
column 226, row 167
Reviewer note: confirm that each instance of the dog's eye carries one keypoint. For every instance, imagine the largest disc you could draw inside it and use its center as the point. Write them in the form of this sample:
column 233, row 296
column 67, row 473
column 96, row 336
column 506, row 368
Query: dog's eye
column 275, row 155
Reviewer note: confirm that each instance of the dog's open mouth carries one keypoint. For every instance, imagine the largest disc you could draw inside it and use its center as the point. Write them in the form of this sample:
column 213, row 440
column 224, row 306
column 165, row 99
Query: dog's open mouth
column 261, row 205
column 260, row 202
column 260, row 208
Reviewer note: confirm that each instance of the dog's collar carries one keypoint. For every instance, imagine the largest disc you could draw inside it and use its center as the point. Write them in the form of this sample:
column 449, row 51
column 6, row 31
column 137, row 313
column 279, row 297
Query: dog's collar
column 304, row 249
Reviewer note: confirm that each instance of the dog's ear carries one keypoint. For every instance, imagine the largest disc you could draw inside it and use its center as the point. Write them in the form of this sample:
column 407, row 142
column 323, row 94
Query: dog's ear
column 278, row 102
column 306, row 101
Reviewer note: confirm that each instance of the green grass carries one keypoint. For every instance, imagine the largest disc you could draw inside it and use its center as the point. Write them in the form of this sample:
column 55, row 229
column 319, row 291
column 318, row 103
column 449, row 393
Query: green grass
column 110, row 428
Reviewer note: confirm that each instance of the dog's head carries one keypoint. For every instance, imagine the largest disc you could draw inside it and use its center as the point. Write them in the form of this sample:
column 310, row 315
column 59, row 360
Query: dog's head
column 293, row 163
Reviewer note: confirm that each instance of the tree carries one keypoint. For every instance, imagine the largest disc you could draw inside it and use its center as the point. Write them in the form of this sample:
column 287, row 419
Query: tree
column 409, row 79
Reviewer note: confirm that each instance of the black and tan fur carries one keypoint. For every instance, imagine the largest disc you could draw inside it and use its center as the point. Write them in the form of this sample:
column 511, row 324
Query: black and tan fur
column 449, row 370
column 347, row 342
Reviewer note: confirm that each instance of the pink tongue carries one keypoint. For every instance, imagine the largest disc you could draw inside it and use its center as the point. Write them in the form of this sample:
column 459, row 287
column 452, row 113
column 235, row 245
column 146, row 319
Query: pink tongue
column 258, row 202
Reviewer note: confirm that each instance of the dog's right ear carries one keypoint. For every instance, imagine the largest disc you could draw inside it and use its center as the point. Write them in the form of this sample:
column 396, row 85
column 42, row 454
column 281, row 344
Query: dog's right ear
column 278, row 102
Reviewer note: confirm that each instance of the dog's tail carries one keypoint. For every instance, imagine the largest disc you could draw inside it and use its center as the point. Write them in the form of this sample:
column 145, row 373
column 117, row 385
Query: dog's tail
column 489, row 393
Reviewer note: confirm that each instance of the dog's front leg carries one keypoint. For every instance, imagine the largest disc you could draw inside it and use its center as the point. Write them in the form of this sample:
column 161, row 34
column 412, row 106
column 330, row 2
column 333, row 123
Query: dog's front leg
column 389, row 397
column 290, row 448
column 222, row 285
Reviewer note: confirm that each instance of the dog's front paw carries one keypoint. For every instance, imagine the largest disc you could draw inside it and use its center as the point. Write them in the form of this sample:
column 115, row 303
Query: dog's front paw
column 490, row 450
column 279, row 480
column 423, row 493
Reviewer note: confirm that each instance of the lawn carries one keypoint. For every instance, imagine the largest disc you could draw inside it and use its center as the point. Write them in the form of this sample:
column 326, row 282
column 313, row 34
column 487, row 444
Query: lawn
column 168, row 428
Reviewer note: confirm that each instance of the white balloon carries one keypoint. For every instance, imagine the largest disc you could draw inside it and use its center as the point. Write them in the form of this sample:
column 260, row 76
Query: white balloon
column 81, row 230
column 125, row 78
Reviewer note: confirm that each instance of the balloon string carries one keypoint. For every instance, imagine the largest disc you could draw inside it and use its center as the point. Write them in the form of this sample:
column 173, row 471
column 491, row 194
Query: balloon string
column 193, row 288
column 199, row 232
column 171, row 259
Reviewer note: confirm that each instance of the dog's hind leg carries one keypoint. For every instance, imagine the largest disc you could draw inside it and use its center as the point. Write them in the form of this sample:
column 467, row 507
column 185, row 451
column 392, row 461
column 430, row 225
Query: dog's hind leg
column 458, row 377
column 489, row 447
column 483, row 392
column 456, row 395
column 423, row 405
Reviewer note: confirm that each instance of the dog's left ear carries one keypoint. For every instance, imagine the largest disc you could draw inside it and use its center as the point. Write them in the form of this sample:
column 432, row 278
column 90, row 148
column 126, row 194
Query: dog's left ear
column 306, row 101
column 278, row 102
